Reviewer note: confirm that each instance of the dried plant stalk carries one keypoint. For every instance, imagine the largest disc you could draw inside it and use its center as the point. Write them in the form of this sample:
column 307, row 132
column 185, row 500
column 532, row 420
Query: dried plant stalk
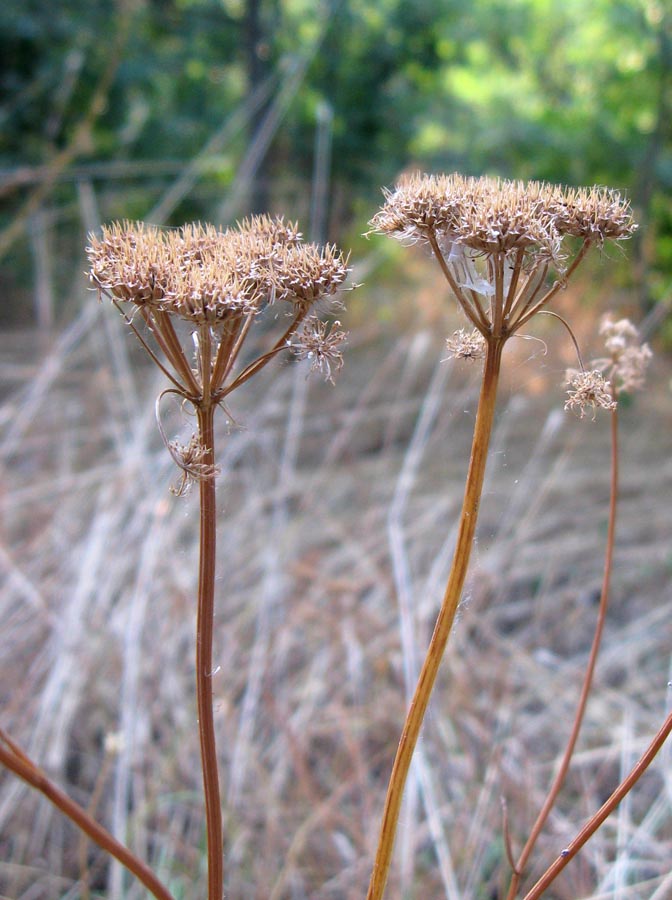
column 215, row 284
column 626, row 365
column 18, row 762
column 219, row 283
column 495, row 242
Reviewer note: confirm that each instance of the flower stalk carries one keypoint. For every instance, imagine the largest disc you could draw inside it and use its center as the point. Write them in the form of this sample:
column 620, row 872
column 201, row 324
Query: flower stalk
column 218, row 283
column 204, row 664
column 603, row 812
column 563, row 768
column 496, row 243
column 625, row 365
column 24, row 768
column 467, row 527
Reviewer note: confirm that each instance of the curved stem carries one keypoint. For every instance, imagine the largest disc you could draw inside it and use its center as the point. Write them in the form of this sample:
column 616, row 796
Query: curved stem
column 444, row 622
column 568, row 327
column 18, row 762
column 204, row 635
column 604, row 811
column 558, row 781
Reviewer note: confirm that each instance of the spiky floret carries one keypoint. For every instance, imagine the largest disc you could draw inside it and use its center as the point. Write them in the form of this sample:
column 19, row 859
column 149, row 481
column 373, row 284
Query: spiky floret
column 588, row 390
column 465, row 345
column 595, row 213
column 321, row 343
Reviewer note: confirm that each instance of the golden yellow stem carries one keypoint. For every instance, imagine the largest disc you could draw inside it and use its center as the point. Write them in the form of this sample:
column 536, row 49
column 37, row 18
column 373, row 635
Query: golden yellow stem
column 444, row 623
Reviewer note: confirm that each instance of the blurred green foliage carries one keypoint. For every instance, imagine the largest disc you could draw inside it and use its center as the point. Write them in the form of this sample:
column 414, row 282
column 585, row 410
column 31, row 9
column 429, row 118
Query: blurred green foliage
column 552, row 89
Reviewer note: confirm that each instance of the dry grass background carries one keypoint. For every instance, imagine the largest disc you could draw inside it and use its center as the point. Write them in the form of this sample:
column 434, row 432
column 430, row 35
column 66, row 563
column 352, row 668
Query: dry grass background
column 336, row 514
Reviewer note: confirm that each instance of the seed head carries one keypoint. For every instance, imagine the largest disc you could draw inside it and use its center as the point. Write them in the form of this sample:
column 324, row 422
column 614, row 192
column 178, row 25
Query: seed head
column 466, row 345
column 628, row 358
column 321, row 344
column 492, row 215
column 303, row 274
column 588, row 389
column 595, row 213
column 191, row 458
column 207, row 276
column 497, row 240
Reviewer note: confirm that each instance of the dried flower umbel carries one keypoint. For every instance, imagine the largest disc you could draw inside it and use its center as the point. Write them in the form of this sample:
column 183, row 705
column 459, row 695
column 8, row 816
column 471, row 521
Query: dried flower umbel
column 506, row 249
column 214, row 285
column 627, row 357
column 625, row 366
column 497, row 241
column 466, row 344
column 588, row 390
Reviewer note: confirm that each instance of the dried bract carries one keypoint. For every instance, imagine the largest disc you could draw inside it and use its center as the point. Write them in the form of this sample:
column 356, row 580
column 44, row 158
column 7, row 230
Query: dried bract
column 588, row 390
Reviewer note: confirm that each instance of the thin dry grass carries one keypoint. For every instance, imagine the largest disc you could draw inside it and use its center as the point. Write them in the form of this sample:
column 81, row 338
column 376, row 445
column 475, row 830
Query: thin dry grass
column 336, row 528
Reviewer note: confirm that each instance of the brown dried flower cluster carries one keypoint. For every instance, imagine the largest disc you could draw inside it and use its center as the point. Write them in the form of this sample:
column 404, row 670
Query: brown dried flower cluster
column 497, row 240
column 627, row 359
column 321, row 343
column 218, row 282
column 625, row 367
column 588, row 390
column 204, row 275
column 191, row 459
column 465, row 345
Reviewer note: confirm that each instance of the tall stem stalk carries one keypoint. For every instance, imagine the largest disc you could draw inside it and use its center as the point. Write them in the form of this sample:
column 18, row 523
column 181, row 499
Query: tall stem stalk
column 559, row 779
column 204, row 633
column 444, row 623
column 16, row 761
column 604, row 811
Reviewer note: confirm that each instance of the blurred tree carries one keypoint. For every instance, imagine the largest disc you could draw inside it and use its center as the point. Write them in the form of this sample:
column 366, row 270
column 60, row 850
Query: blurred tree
column 552, row 89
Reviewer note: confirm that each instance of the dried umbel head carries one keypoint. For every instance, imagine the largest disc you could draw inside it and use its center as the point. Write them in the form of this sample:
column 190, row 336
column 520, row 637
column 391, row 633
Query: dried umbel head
column 204, row 275
column 217, row 282
column 466, row 345
column 321, row 343
column 497, row 240
column 588, row 390
column 627, row 357
column 191, row 459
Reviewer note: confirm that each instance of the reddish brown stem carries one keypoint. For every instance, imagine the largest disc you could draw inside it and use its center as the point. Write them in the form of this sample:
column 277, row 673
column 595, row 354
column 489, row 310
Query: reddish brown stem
column 605, row 810
column 204, row 636
column 18, row 762
column 558, row 781
column 526, row 314
column 259, row 363
column 444, row 623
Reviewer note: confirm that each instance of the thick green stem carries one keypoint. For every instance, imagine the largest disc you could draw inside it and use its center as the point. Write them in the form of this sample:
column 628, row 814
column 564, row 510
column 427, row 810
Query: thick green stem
column 444, row 623
column 204, row 633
